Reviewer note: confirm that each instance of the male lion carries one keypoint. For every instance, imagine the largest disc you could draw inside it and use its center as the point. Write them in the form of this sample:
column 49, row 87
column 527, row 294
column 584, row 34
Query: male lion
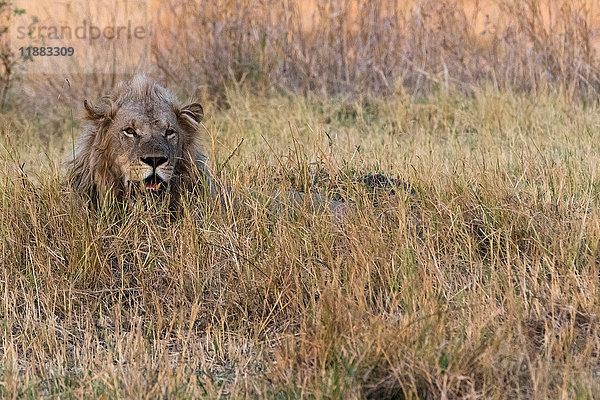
column 142, row 141
column 139, row 139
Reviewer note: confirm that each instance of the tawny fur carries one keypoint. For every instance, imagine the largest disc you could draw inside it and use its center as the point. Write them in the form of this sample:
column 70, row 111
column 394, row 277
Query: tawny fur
column 106, row 160
column 97, row 166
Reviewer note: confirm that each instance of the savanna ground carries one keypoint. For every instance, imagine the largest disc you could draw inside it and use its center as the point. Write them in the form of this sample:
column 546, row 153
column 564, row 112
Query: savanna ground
column 482, row 281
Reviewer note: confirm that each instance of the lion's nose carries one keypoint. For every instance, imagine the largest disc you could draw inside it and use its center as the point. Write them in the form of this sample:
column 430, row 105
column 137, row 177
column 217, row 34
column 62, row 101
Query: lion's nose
column 154, row 162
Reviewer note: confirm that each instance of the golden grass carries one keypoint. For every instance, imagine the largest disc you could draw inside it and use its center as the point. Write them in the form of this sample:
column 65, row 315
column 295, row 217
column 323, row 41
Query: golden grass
column 483, row 284
column 349, row 46
column 331, row 47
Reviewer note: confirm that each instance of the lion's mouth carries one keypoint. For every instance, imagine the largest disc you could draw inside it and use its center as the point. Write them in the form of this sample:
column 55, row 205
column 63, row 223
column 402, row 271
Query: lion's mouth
column 154, row 184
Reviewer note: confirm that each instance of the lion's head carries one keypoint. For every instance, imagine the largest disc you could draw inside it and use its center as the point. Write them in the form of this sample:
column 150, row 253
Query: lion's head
column 139, row 140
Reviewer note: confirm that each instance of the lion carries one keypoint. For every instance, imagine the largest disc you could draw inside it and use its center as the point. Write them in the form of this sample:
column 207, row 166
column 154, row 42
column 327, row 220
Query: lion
column 141, row 141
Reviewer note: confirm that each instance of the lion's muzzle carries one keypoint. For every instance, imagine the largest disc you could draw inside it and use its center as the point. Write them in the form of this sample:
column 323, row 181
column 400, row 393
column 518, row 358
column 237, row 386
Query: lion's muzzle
column 154, row 182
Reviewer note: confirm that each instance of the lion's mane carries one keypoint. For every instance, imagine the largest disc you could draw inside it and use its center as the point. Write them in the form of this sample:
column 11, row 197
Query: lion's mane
column 94, row 170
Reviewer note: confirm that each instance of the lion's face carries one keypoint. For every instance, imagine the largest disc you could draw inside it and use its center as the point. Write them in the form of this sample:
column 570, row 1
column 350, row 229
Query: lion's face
column 147, row 144
column 139, row 140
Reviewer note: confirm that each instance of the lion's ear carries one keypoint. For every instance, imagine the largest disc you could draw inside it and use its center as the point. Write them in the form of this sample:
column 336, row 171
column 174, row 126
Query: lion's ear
column 194, row 113
column 92, row 113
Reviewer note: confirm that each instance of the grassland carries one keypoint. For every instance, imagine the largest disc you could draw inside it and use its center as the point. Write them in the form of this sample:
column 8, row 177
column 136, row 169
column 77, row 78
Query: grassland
column 482, row 284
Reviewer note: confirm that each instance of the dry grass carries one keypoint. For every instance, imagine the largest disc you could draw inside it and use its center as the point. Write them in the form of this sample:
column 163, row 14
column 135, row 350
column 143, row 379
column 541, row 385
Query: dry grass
column 348, row 46
column 484, row 284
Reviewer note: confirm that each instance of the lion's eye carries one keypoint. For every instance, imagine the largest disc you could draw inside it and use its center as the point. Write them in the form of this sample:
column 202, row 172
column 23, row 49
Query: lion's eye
column 130, row 132
column 170, row 132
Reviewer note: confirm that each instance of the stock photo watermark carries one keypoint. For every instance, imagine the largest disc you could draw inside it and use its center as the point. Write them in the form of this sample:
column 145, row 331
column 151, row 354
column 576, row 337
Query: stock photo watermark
column 105, row 36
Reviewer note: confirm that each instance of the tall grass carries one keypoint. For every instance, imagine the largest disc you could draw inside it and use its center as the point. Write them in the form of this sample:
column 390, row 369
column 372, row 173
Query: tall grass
column 351, row 47
column 482, row 284
column 341, row 46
